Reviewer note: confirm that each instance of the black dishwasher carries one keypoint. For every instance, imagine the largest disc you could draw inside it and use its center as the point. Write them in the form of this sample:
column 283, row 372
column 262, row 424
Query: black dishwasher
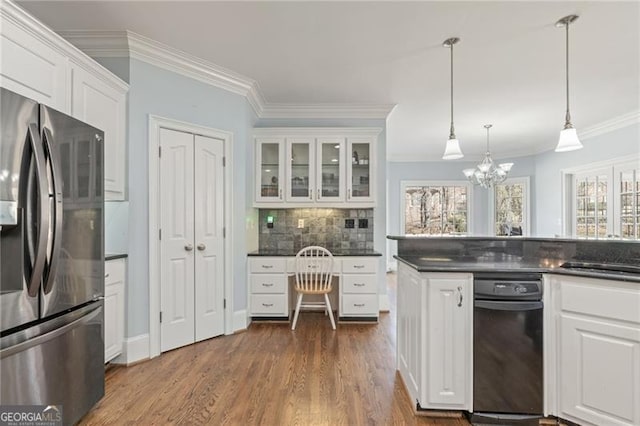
column 507, row 348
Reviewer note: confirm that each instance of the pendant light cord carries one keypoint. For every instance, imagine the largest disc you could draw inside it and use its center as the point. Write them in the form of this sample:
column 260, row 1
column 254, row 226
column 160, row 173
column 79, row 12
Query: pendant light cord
column 452, row 132
column 567, row 123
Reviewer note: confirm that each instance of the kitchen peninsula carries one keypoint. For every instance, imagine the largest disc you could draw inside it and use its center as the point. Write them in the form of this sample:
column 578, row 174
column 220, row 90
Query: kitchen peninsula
column 590, row 352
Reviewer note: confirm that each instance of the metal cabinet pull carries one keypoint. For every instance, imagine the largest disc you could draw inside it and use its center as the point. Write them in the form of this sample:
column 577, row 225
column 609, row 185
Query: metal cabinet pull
column 267, row 266
column 318, row 193
column 349, row 194
column 188, row 247
column 281, row 193
column 267, row 284
column 358, row 284
column 358, row 305
column 201, row 246
column 311, row 194
column 267, row 305
column 106, row 275
column 459, row 297
column 358, row 266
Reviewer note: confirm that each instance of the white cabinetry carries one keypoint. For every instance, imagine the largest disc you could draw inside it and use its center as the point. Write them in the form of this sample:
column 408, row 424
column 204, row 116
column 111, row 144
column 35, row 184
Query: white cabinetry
column 435, row 323
column 596, row 350
column 269, row 287
column 97, row 103
column 359, row 288
column 39, row 64
column 321, row 167
column 114, row 294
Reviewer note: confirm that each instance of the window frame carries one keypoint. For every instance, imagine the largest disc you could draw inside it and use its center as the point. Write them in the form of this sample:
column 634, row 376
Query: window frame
column 526, row 204
column 568, row 191
column 409, row 183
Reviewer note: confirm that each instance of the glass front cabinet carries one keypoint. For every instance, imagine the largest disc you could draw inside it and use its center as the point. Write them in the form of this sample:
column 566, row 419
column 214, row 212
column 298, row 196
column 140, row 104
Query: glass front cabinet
column 359, row 171
column 302, row 167
column 270, row 170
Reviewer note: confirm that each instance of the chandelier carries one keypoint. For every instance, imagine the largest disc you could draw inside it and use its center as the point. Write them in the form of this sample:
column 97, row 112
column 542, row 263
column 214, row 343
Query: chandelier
column 487, row 173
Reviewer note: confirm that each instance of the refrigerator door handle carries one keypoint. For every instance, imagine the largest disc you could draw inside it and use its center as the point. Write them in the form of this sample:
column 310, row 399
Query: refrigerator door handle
column 23, row 346
column 50, row 273
column 40, row 252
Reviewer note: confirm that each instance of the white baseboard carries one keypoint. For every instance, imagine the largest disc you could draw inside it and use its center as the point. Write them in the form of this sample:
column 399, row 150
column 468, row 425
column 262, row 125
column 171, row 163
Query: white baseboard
column 239, row 320
column 134, row 349
column 383, row 302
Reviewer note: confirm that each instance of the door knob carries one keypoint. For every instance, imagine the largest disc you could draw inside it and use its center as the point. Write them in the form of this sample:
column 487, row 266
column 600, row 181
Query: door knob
column 188, row 247
column 201, row 247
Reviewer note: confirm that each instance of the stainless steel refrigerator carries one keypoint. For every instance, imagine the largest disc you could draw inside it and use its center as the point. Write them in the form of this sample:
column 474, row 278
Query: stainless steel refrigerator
column 51, row 258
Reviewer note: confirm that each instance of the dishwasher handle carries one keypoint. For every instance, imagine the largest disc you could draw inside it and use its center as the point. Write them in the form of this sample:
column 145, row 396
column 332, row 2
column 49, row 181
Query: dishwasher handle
column 495, row 305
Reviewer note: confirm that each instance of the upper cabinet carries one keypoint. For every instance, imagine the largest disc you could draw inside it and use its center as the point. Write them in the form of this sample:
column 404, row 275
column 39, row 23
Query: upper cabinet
column 97, row 103
column 39, row 64
column 323, row 167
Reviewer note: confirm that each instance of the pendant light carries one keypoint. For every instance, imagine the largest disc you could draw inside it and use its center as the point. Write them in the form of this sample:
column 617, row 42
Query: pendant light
column 487, row 173
column 452, row 149
column 568, row 140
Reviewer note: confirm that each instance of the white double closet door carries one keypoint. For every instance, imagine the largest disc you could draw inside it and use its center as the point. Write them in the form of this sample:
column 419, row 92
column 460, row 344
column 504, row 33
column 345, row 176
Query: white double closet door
column 191, row 241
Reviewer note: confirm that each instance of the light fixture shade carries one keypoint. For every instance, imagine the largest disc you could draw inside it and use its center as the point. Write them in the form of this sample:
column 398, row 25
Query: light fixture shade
column 506, row 166
column 469, row 172
column 568, row 140
column 452, row 150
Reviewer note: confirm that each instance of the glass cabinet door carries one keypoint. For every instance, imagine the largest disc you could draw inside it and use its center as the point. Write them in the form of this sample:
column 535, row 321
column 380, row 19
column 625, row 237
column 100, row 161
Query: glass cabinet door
column 300, row 177
column 269, row 157
column 331, row 169
column 360, row 169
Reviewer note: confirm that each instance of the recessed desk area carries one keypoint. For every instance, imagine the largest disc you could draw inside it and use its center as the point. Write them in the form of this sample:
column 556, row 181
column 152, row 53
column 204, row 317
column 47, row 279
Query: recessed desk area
column 355, row 293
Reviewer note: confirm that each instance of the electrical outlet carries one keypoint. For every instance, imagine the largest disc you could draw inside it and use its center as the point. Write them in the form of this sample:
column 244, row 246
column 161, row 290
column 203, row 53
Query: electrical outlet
column 349, row 223
column 300, row 223
column 363, row 223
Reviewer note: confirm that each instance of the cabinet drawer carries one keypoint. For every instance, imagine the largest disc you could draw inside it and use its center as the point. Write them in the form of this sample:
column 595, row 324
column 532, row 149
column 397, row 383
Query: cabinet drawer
column 360, row 265
column 268, row 283
column 269, row 304
column 355, row 283
column 606, row 299
column 267, row 264
column 360, row 304
column 291, row 265
column 114, row 271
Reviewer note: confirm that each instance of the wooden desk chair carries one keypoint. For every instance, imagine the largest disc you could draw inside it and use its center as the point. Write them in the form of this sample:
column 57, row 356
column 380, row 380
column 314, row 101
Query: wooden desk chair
column 314, row 275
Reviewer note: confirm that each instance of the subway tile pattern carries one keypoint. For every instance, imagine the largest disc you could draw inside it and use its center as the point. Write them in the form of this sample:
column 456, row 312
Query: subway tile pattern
column 322, row 227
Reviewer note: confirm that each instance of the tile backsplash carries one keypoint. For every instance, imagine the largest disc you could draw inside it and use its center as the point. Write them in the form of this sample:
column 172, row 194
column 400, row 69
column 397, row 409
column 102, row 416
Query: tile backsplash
column 322, row 227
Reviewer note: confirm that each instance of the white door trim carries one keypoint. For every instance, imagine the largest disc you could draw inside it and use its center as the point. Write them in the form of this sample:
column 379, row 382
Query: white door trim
column 155, row 124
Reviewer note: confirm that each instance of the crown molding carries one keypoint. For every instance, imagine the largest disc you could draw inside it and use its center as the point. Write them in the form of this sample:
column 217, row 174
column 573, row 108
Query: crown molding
column 610, row 125
column 316, row 131
column 129, row 44
column 13, row 13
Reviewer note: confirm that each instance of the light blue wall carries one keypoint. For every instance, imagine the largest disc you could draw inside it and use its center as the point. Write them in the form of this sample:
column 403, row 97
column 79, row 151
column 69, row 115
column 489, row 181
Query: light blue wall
column 619, row 143
column 118, row 66
column 116, row 227
column 170, row 95
column 380, row 211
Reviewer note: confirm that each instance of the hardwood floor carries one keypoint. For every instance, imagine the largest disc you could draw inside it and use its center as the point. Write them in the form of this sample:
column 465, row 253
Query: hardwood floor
column 269, row 375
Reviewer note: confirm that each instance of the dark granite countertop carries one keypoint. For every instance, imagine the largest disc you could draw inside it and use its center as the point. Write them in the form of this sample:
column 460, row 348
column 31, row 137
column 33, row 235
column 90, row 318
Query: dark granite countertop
column 508, row 238
column 507, row 263
column 114, row 256
column 341, row 252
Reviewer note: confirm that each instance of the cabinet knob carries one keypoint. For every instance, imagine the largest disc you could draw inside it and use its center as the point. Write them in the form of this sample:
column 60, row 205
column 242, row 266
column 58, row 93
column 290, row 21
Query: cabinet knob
column 201, row 247
column 188, row 247
column 459, row 297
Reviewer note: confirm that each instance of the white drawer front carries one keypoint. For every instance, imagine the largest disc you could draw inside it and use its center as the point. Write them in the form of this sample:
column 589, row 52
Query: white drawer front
column 268, row 283
column 291, row 265
column 355, row 283
column 269, row 304
column 360, row 265
column 263, row 265
column 114, row 271
column 359, row 304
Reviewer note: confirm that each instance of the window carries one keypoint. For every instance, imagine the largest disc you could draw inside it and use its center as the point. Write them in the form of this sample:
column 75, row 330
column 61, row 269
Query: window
column 510, row 207
column 591, row 204
column 627, row 187
column 436, row 208
column 603, row 200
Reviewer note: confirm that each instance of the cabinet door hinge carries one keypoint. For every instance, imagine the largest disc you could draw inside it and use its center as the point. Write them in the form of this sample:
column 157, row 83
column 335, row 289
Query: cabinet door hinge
column 159, row 151
column 224, row 303
column 224, row 161
column 224, row 232
column 159, row 234
column 160, row 317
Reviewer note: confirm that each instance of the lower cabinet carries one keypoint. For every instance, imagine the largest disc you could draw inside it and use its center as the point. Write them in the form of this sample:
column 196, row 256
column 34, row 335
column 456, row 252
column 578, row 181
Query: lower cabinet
column 597, row 350
column 270, row 292
column 114, row 294
column 434, row 337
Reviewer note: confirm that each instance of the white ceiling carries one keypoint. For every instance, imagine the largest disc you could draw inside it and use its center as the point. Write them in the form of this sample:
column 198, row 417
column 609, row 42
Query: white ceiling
column 509, row 65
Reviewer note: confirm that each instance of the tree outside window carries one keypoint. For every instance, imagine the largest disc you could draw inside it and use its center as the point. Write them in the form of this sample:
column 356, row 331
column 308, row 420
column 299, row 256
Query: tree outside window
column 436, row 209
